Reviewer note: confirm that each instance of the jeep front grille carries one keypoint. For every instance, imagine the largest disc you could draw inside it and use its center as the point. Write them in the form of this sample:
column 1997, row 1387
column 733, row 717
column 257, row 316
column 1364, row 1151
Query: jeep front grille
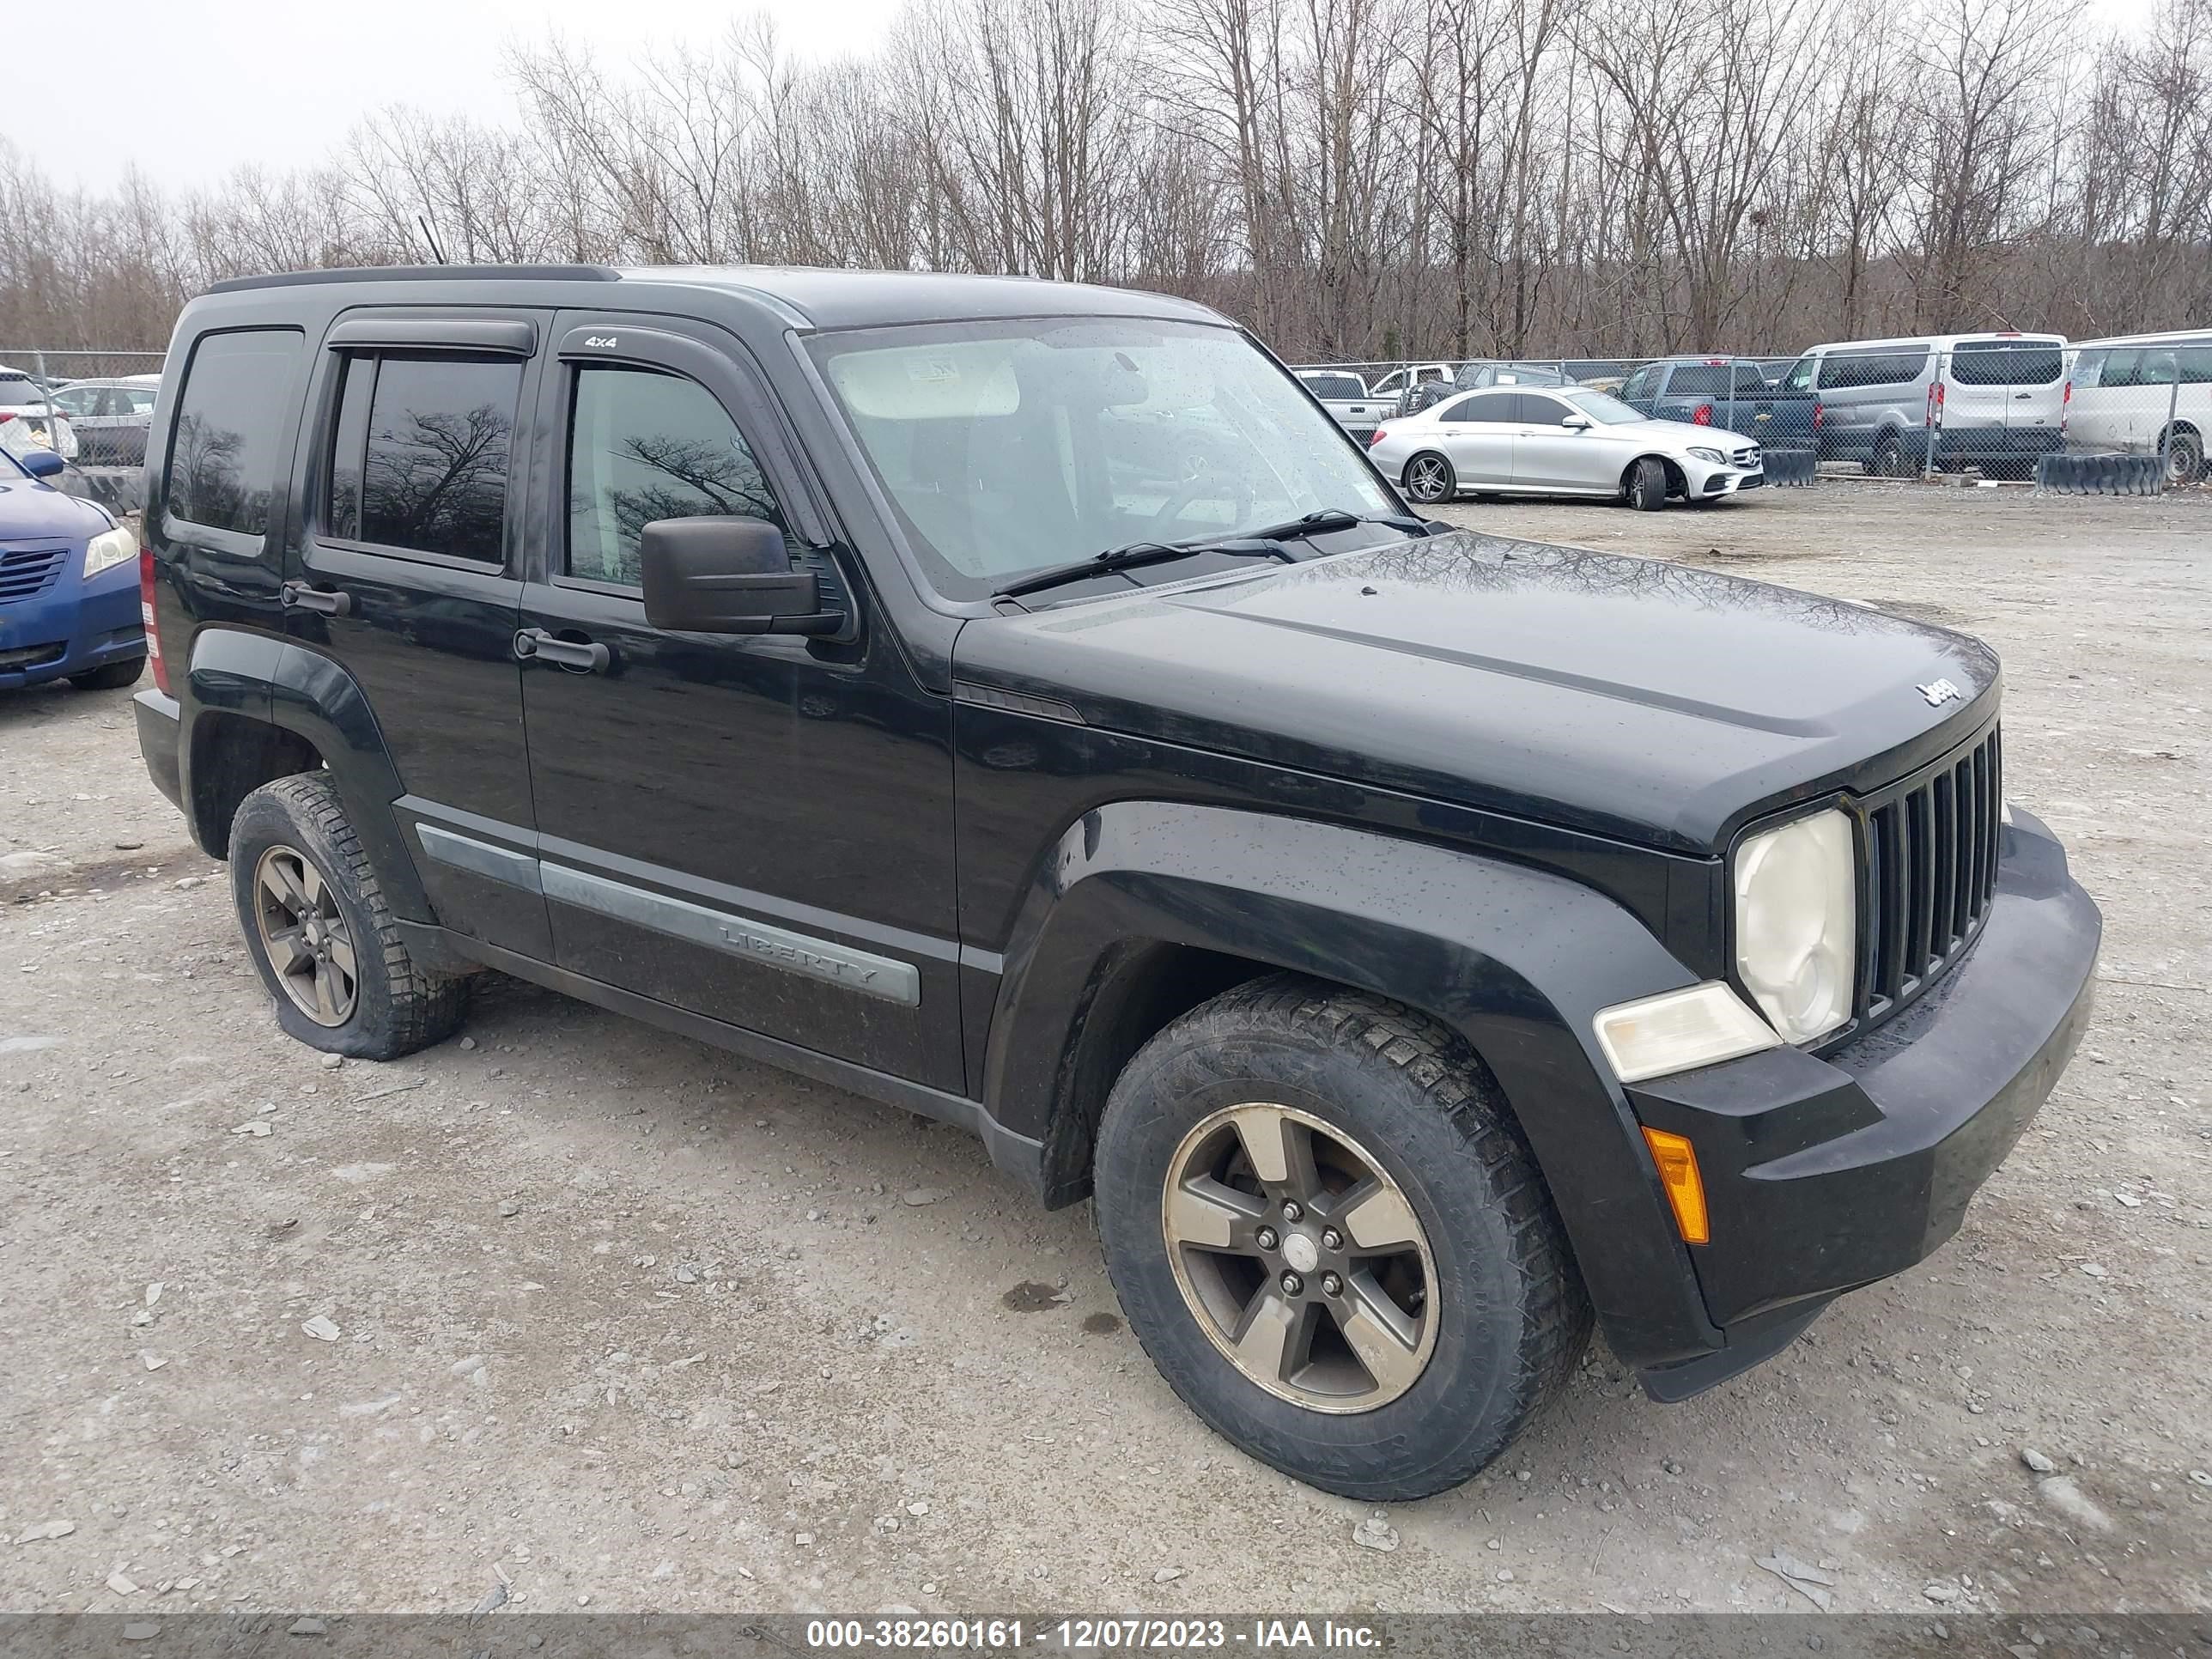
column 1931, row 868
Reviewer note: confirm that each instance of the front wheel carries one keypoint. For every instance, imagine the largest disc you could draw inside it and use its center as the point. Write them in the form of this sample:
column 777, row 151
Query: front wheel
column 323, row 938
column 1327, row 1230
column 1429, row 477
column 1647, row 485
column 110, row 675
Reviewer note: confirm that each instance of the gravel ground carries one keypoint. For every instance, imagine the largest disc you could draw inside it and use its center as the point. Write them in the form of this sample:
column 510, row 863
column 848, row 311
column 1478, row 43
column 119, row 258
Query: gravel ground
column 620, row 1321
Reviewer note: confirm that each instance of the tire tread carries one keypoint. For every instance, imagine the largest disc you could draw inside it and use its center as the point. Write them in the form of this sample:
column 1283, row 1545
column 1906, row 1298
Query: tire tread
column 425, row 1007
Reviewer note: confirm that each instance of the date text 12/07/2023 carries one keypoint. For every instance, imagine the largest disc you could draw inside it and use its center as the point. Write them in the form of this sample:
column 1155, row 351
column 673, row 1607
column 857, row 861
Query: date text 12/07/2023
column 1127, row 1634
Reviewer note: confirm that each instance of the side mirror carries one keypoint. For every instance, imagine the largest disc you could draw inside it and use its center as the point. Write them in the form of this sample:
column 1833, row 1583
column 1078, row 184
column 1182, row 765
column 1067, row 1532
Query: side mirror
column 1575, row 422
column 42, row 463
column 728, row 575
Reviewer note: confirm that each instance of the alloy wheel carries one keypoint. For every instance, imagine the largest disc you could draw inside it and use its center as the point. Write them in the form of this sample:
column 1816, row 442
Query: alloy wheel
column 1300, row 1258
column 305, row 936
column 1425, row 479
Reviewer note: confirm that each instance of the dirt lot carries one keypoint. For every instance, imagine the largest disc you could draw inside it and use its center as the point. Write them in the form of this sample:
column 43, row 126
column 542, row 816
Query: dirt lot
column 627, row 1319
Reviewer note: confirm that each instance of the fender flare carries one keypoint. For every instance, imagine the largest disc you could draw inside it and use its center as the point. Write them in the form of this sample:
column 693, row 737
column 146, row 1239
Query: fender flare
column 1516, row 960
column 265, row 678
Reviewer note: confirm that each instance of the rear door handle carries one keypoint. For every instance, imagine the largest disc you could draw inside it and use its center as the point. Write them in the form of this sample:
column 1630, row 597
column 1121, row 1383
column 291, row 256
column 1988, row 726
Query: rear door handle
column 535, row 645
column 298, row 596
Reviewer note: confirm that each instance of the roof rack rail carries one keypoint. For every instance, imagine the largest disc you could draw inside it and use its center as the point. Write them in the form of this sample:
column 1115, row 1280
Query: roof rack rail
column 422, row 273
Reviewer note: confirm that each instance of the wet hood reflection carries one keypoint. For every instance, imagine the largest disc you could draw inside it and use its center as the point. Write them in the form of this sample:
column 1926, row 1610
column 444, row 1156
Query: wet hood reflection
column 1649, row 701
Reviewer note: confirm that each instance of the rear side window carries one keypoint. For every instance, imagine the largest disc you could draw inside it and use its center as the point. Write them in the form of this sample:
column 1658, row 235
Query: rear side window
column 233, row 423
column 1503, row 406
column 2130, row 365
column 419, row 454
column 1857, row 368
column 2003, row 362
column 1698, row 380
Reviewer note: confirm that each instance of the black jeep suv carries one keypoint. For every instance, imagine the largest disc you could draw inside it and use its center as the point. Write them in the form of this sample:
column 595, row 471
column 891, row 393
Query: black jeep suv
column 1022, row 703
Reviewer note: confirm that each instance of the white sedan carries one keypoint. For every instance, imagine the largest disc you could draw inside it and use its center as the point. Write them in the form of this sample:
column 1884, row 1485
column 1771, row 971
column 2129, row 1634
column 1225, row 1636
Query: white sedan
column 1565, row 441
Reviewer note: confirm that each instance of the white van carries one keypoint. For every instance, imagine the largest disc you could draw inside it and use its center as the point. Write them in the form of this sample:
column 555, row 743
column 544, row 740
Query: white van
column 1986, row 400
column 2122, row 389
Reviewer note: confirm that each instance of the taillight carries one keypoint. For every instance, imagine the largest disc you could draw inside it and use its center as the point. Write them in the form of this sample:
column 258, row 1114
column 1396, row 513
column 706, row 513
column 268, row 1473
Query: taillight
column 1377, row 436
column 1819, row 415
column 146, row 613
column 1703, row 417
column 2065, row 406
column 1935, row 404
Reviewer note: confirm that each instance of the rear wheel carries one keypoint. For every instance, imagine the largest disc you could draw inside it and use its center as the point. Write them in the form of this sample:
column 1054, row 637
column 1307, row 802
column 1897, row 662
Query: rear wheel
column 1429, row 477
column 1889, row 458
column 2185, row 457
column 1328, row 1234
column 110, row 675
column 1647, row 485
column 324, row 940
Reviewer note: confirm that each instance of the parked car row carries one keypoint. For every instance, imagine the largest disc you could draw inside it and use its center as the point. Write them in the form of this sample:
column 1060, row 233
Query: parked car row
column 94, row 423
column 1997, row 402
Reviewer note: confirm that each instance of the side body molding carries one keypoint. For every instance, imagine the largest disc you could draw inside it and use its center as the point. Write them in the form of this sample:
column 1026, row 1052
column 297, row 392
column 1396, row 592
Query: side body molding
column 1514, row 959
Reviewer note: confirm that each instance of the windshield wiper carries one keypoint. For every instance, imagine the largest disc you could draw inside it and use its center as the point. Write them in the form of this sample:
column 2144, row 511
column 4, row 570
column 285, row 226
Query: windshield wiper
column 1137, row 555
column 1264, row 542
column 1332, row 518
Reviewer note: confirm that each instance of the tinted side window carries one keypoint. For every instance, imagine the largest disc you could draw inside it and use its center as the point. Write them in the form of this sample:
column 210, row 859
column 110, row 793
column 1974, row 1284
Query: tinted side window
column 1536, row 409
column 232, row 423
column 1503, row 406
column 1989, row 363
column 1854, row 368
column 1698, row 380
column 644, row 446
column 434, row 474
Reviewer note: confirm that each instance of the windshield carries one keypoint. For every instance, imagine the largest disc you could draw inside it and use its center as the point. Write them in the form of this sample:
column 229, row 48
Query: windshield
column 1012, row 445
column 1602, row 406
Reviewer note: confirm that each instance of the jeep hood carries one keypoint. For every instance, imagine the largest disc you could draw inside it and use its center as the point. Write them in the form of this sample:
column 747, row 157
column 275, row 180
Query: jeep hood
column 1647, row 702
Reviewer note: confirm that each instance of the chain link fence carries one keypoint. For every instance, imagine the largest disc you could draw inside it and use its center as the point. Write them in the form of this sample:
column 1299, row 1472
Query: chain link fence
column 92, row 404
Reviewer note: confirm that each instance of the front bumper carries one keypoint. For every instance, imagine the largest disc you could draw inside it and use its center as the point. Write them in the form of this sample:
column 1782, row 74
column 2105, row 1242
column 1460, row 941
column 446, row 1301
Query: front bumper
column 74, row 627
column 1824, row 1174
column 1702, row 481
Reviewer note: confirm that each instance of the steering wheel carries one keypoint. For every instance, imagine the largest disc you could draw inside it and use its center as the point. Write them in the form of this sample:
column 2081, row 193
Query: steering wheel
column 1199, row 486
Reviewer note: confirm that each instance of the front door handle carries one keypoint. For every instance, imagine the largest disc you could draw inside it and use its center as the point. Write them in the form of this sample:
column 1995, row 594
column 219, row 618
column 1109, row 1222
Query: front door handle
column 537, row 645
column 298, row 596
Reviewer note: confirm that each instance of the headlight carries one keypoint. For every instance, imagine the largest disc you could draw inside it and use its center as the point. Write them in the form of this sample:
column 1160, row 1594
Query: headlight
column 1713, row 455
column 1797, row 923
column 109, row 548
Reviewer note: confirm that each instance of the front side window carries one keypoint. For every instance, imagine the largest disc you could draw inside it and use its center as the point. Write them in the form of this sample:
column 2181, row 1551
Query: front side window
column 230, row 431
column 1602, row 407
column 1010, row 446
column 1640, row 383
column 644, row 446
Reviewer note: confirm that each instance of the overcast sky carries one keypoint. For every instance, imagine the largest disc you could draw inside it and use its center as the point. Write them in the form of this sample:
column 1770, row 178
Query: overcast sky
column 163, row 84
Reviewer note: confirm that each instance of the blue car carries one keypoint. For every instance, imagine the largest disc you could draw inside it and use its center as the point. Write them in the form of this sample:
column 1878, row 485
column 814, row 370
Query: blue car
column 68, row 584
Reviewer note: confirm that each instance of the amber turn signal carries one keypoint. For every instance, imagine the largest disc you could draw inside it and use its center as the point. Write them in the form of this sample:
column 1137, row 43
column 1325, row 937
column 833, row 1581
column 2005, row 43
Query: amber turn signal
column 1677, row 1173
